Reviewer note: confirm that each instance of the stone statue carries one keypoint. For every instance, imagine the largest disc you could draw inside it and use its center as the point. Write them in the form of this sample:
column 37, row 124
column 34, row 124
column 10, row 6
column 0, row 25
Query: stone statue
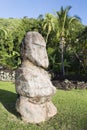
column 32, row 81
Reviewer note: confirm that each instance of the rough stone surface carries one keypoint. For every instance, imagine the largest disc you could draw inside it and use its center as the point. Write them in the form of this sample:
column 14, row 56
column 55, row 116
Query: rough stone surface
column 69, row 84
column 32, row 81
column 35, row 113
column 34, row 49
column 7, row 75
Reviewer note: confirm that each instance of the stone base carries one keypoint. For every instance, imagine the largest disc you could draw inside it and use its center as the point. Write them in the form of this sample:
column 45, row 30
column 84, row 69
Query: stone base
column 35, row 113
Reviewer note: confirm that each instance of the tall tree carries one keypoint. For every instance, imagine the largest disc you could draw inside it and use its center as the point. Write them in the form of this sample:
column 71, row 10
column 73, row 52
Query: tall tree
column 48, row 24
column 64, row 22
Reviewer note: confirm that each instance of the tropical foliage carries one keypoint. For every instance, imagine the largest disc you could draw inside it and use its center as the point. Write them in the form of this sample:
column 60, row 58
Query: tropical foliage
column 66, row 39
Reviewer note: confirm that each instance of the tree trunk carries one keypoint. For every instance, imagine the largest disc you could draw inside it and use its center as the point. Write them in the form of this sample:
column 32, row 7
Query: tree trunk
column 62, row 55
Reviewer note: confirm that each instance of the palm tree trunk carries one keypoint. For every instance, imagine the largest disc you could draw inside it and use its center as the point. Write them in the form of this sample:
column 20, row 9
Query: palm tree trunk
column 62, row 56
column 47, row 37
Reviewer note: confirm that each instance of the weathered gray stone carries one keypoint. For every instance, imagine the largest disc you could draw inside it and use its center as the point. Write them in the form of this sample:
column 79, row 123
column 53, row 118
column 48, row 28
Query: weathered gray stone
column 6, row 75
column 35, row 113
column 33, row 82
column 34, row 49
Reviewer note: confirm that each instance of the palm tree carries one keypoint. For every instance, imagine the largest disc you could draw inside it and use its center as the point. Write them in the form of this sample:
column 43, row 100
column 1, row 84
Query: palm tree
column 48, row 24
column 64, row 24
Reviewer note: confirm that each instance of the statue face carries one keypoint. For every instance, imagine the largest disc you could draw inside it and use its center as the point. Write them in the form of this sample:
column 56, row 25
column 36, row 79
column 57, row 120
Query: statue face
column 35, row 49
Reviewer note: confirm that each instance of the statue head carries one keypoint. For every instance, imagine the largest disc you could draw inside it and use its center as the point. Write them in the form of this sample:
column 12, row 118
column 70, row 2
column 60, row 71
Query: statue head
column 34, row 49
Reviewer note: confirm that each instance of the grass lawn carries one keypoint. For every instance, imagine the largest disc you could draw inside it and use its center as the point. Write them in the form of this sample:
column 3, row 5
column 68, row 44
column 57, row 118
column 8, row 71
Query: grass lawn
column 71, row 105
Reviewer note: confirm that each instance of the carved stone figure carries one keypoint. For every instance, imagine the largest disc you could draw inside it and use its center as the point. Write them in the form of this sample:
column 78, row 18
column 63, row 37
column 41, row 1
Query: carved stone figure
column 32, row 81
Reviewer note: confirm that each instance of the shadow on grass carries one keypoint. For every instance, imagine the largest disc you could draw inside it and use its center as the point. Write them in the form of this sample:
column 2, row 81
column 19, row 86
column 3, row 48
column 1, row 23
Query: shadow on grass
column 8, row 100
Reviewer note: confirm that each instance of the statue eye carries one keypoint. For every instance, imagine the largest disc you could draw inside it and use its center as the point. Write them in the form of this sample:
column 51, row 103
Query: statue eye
column 38, row 45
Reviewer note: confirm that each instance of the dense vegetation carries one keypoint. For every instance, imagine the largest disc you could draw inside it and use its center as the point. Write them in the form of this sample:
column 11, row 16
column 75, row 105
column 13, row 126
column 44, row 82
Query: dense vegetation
column 66, row 39
column 71, row 105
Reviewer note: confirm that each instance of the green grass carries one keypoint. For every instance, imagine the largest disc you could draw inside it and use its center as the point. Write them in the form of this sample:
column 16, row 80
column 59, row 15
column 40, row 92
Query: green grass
column 71, row 105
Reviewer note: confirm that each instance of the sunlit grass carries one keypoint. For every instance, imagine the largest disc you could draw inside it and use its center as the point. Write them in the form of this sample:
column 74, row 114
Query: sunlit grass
column 71, row 105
